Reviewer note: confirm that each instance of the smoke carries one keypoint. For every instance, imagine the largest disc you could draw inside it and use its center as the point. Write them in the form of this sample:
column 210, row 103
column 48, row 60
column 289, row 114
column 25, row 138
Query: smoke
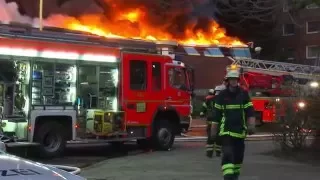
column 9, row 13
column 171, row 16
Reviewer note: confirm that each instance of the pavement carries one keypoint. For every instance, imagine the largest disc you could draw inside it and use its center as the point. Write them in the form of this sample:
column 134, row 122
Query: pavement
column 186, row 161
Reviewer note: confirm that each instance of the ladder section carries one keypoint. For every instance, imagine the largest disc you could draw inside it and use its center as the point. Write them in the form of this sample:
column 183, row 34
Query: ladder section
column 279, row 68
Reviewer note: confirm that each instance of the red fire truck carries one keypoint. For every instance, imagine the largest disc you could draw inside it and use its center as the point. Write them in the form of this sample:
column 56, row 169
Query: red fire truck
column 59, row 86
column 267, row 81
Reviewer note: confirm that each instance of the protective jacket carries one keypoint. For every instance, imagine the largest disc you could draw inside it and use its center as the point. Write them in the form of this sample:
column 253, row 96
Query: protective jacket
column 208, row 107
column 232, row 110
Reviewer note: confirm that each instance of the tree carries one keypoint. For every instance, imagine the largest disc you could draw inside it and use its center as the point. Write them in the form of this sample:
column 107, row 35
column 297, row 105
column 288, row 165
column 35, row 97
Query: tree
column 256, row 20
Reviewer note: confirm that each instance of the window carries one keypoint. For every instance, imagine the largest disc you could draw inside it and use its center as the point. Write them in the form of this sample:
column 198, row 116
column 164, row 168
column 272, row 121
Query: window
column 213, row 52
column 156, row 76
column 313, row 27
column 288, row 29
column 138, row 75
column 290, row 53
column 191, row 51
column 177, row 78
column 312, row 52
column 241, row 52
column 312, row 6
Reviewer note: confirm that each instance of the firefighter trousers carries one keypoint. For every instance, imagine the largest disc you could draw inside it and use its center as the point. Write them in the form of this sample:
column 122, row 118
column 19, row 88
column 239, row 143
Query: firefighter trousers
column 232, row 157
column 213, row 144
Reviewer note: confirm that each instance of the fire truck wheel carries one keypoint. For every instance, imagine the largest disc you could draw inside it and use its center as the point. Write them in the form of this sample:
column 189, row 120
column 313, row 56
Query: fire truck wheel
column 163, row 136
column 52, row 139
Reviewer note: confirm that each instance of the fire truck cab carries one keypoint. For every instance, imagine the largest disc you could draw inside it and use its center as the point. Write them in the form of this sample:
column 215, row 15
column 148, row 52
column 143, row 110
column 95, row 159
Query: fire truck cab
column 64, row 86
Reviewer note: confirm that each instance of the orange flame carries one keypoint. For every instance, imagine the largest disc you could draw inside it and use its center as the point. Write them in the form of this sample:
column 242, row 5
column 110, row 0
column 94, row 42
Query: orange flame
column 132, row 24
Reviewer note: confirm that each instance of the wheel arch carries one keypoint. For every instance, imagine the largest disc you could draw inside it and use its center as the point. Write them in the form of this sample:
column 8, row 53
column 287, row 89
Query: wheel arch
column 66, row 119
column 166, row 112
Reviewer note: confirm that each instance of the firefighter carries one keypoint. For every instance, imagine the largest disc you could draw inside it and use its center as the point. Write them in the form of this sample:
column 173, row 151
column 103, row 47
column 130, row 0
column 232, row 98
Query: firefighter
column 207, row 109
column 217, row 140
column 234, row 114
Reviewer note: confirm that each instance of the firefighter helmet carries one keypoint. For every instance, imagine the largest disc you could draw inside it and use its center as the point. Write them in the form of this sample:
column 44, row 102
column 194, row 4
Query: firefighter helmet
column 233, row 72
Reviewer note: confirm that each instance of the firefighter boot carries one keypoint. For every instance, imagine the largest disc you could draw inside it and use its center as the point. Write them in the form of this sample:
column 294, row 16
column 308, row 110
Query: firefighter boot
column 229, row 177
column 209, row 153
column 236, row 177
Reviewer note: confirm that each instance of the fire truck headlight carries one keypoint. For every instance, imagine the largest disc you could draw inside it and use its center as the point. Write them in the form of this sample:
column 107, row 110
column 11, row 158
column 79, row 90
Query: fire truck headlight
column 314, row 84
column 278, row 100
column 301, row 105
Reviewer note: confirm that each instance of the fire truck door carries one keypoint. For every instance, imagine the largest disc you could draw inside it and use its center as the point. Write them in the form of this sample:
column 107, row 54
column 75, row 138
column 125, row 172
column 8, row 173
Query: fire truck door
column 136, row 89
column 177, row 89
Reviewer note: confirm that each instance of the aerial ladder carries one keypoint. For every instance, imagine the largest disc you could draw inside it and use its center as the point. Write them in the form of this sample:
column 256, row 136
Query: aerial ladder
column 274, row 68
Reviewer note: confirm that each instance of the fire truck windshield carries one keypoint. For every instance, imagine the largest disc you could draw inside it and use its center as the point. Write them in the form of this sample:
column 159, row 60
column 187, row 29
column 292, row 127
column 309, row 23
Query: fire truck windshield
column 178, row 78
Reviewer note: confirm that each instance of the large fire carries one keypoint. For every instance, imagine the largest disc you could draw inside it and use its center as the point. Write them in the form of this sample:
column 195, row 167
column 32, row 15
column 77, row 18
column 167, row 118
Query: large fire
column 131, row 24
column 136, row 19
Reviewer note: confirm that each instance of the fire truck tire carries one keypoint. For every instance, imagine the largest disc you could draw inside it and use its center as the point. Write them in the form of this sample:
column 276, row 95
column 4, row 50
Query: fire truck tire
column 163, row 136
column 52, row 139
column 259, row 121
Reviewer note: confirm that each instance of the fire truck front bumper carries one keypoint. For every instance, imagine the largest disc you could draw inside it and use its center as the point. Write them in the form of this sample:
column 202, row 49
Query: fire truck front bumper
column 185, row 123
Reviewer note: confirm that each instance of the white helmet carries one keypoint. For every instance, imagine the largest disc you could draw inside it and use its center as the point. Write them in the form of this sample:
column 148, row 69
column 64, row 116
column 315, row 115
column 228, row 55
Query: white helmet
column 211, row 91
column 233, row 71
column 233, row 74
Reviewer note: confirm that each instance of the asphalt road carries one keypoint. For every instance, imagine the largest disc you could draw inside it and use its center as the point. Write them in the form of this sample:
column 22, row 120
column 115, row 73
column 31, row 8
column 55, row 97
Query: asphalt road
column 82, row 155
column 186, row 161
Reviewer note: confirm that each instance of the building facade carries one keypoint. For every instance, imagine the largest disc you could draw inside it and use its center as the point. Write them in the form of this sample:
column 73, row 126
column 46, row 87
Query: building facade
column 298, row 34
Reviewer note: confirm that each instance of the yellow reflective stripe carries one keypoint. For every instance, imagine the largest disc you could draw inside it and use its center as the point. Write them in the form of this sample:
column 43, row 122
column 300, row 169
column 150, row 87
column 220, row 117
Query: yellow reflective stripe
column 209, row 145
column 228, row 171
column 238, row 106
column 209, row 149
column 217, row 106
column 237, row 168
column 233, row 134
column 222, row 124
column 213, row 122
column 227, row 166
column 218, row 146
column 204, row 105
column 249, row 104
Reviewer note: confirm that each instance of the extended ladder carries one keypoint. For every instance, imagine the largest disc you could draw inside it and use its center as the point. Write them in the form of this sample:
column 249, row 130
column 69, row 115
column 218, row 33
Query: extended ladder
column 279, row 68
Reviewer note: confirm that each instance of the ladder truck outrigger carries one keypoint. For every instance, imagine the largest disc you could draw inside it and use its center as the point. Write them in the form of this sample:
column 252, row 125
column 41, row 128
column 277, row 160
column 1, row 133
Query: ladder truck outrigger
column 59, row 86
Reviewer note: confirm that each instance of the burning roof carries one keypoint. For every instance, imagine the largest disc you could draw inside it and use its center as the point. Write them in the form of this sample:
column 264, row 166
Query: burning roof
column 136, row 19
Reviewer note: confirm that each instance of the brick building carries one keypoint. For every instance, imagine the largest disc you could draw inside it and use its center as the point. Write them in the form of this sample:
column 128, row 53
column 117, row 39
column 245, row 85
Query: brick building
column 299, row 34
